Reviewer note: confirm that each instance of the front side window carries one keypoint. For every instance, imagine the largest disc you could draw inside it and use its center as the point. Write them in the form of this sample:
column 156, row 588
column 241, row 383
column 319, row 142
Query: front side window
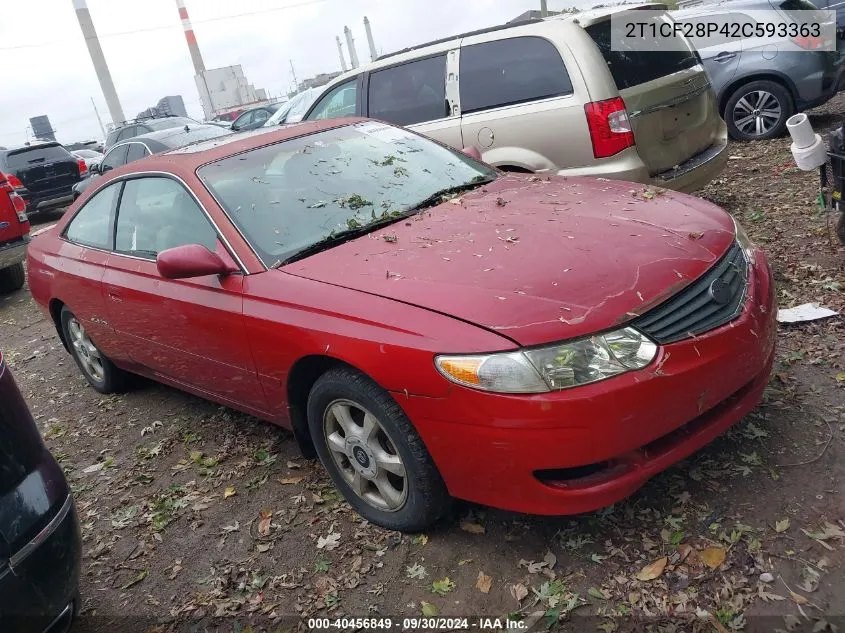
column 505, row 72
column 137, row 151
column 338, row 103
column 293, row 196
column 115, row 158
column 92, row 225
column 158, row 213
column 411, row 93
column 241, row 121
column 260, row 116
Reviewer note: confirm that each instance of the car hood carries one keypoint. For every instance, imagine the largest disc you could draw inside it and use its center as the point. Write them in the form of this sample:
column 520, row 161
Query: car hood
column 536, row 259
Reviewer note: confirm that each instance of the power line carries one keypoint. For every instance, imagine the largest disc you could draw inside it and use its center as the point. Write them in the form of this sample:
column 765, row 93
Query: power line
column 168, row 26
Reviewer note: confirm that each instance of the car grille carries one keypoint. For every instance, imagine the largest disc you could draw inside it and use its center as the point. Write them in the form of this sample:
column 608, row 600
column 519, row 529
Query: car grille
column 711, row 301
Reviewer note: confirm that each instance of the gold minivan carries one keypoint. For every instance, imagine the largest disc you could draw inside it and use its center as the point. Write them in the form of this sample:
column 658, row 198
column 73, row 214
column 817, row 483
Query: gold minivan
column 550, row 96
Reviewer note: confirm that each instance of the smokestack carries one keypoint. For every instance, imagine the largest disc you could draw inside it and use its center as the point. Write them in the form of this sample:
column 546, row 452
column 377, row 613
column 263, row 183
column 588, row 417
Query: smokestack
column 99, row 60
column 196, row 57
column 350, row 43
column 340, row 52
column 370, row 41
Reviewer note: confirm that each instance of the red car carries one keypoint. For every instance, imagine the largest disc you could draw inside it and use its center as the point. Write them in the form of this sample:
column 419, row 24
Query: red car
column 14, row 234
column 431, row 327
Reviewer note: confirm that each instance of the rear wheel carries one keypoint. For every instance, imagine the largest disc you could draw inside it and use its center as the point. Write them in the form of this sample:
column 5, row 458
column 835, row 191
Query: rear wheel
column 758, row 111
column 12, row 278
column 373, row 453
column 98, row 370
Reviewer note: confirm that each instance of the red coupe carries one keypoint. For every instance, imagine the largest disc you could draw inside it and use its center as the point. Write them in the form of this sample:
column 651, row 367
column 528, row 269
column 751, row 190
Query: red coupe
column 431, row 327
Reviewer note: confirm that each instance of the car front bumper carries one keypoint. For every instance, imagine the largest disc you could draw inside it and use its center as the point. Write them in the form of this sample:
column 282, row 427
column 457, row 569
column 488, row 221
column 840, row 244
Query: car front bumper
column 14, row 252
column 581, row 449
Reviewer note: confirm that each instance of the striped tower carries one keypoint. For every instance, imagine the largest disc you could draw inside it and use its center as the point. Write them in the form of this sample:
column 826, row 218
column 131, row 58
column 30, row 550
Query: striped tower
column 196, row 57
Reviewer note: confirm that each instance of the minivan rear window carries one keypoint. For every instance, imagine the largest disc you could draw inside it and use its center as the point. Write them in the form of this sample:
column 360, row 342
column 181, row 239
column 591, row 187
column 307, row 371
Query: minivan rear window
column 633, row 67
column 27, row 157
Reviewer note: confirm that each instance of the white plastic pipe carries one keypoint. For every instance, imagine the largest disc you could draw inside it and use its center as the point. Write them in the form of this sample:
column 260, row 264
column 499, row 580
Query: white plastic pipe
column 801, row 131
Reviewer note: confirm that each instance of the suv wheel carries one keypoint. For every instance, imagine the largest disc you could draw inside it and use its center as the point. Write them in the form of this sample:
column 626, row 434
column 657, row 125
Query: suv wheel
column 758, row 111
column 373, row 453
column 12, row 278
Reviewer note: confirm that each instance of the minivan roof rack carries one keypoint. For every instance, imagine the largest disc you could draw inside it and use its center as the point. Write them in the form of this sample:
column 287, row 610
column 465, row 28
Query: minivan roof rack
column 489, row 29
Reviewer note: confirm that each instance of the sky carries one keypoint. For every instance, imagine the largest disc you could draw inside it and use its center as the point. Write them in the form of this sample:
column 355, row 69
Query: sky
column 48, row 69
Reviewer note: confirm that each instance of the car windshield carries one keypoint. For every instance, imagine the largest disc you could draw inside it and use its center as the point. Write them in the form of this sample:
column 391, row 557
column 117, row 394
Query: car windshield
column 289, row 197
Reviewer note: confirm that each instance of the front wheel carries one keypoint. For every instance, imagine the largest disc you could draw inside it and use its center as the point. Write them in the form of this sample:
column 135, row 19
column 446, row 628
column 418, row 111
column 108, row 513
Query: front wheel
column 12, row 278
column 98, row 370
column 373, row 453
column 758, row 111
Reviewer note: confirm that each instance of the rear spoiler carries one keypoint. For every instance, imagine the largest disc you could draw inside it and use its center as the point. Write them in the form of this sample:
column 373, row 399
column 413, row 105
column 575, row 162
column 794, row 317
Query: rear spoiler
column 595, row 16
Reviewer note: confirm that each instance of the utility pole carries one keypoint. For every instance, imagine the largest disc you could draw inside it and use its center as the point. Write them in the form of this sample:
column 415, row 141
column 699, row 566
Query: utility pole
column 99, row 120
column 544, row 8
column 99, row 60
column 293, row 72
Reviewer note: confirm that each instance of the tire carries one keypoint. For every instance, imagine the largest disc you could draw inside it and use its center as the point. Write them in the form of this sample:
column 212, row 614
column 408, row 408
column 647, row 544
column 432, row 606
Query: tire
column 421, row 499
column 98, row 370
column 12, row 278
column 742, row 104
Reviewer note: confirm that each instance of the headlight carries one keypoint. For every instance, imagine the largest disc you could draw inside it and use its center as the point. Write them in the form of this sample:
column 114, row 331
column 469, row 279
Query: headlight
column 554, row 367
column 744, row 241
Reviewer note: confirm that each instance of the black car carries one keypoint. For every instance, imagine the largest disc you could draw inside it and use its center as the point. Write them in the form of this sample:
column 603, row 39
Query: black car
column 142, row 146
column 255, row 118
column 47, row 170
column 138, row 127
column 40, row 546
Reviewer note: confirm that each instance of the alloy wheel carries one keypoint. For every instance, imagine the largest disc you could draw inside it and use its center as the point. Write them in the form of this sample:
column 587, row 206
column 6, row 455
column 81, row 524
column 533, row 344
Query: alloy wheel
column 757, row 112
column 85, row 350
column 365, row 455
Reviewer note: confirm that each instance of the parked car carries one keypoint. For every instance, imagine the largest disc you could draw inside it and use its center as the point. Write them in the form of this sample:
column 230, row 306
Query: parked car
column 14, row 237
column 293, row 110
column 552, row 96
column 144, row 126
column 394, row 301
column 255, row 117
column 40, row 547
column 756, row 91
column 47, row 171
column 145, row 144
column 89, row 156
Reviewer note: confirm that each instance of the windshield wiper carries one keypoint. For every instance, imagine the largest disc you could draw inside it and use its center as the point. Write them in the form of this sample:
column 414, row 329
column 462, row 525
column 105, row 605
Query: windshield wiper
column 437, row 196
column 333, row 239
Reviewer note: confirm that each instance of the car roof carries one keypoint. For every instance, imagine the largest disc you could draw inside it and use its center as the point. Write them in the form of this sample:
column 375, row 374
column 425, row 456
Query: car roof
column 197, row 154
column 171, row 136
column 712, row 6
column 154, row 119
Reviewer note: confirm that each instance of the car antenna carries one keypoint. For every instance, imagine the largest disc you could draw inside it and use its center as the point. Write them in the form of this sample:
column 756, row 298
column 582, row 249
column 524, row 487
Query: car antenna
column 187, row 129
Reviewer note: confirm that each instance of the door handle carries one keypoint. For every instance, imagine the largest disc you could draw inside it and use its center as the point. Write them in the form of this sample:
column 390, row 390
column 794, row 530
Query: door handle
column 724, row 56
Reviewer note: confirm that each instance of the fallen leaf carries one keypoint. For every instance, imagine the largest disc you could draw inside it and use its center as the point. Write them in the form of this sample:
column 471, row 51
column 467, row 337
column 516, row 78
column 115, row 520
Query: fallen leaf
column 288, row 481
column 550, row 559
column 484, row 582
column 653, row 570
column 472, row 528
column 713, row 557
column 782, row 526
column 443, row 586
column 416, row 571
column 420, row 539
column 329, row 542
column 428, row 609
column 229, row 492
column 596, row 593
column 519, row 591
column 264, row 523
column 141, row 575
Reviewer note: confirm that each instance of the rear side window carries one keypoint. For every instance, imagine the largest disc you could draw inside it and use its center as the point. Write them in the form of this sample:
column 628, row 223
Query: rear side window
column 92, row 225
column 633, row 67
column 33, row 156
column 410, row 93
column 511, row 71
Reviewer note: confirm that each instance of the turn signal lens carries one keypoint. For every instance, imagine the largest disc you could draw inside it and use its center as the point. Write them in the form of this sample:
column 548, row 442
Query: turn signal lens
column 463, row 370
column 503, row 373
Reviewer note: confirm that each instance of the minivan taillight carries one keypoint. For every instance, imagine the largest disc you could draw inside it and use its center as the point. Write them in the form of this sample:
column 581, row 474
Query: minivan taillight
column 610, row 129
column 83, row 168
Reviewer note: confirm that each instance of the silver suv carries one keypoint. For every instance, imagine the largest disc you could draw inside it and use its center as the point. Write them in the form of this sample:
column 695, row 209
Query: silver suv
column 549, row 96
column 759, row 86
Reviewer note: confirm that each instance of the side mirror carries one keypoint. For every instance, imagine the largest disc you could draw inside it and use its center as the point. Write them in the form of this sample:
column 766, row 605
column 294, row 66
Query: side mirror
column 235, row 127
column 190, row 260
column 473, row 152
column 94, row 169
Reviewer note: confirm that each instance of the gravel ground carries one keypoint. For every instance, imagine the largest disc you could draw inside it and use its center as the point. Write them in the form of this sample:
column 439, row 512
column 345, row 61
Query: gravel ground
column 192, row 512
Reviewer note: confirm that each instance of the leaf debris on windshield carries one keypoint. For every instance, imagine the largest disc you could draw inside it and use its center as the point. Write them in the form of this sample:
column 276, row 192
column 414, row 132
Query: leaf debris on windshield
column 354, row 202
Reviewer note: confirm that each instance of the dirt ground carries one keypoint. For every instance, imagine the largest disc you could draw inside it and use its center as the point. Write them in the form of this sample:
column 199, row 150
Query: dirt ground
column 192, row 512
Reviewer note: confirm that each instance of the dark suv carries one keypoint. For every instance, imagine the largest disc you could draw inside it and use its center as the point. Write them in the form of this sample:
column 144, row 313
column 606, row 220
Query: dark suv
column 40, row 547
column 142, row 126
column 48, row 172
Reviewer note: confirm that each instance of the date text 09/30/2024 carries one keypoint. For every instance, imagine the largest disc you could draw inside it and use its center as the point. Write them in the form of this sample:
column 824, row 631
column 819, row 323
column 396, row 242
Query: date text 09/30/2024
column 415, row 624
